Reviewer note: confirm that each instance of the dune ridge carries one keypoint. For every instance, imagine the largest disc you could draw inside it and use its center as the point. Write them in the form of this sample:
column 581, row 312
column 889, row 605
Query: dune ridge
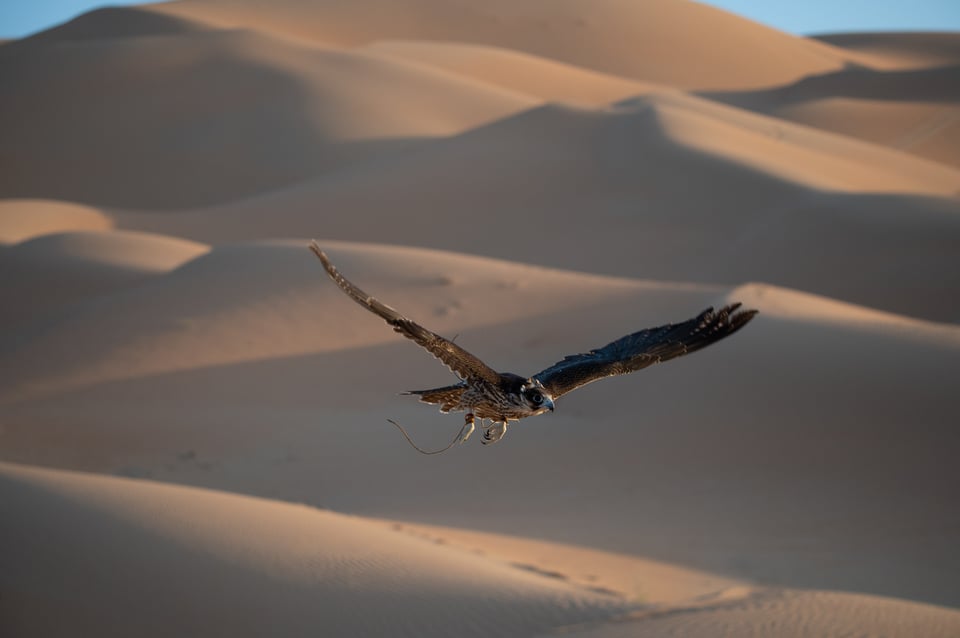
column 541, row 77
column 909, row 48
column 24, row 219
column 232, row 86
column 112, row 23
column 914, row 110
column 633, row 40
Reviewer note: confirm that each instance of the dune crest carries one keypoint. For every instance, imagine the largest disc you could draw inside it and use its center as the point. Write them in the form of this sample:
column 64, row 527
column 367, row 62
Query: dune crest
column 111, row 23
column 541, row 77
column 907, row 49
column 634, row 40
column 119, row 249
column 23, row 219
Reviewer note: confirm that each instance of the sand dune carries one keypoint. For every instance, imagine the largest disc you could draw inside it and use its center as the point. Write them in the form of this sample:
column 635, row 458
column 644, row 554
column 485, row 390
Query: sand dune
column 289, row 110
column 214, row 310
column 208, row 578
column 292, row 569
column 634, row 578
column 540, row 77
column 664, row 186
column 935, row 84
column 532, row 180
column 789, row 614
column 23, row 219
column 800, row 155
column 703, row 466
column 915, row 110
column 109, row 23
column 926, row 130
column 54, row 271
column 683, row 44
column 115, row 249
column 907, row 49
column 792, row 304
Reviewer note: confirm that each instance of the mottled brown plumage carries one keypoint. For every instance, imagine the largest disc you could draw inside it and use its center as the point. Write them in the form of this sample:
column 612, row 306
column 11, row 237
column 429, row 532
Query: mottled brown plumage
column 487, row 394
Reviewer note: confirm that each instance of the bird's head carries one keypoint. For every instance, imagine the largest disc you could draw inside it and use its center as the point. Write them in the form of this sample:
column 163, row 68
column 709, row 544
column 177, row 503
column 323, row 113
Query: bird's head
column 536, row 397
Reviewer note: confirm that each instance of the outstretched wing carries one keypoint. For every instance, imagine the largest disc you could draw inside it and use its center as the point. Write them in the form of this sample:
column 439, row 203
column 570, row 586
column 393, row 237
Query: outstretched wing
column 464, row 364
column 641, row 349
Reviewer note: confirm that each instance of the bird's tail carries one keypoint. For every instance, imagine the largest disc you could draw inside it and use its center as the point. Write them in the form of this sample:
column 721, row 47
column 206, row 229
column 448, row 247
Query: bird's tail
column 448, row 397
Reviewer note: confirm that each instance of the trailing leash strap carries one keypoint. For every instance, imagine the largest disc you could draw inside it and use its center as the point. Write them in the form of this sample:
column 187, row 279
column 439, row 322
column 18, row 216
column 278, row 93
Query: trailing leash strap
column 421, row 450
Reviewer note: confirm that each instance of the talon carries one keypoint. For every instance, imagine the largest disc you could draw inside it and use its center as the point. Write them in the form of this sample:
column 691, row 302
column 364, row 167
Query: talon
column 494, row 433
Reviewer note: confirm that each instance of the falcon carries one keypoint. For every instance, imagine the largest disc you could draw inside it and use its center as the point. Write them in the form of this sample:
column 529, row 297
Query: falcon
column 501, row 397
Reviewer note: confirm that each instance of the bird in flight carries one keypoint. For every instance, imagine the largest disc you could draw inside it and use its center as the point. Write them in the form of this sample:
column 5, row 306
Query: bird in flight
column 501, row 397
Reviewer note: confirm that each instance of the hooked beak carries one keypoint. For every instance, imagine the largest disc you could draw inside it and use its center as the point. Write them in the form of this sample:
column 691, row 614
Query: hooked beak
column 550, row 404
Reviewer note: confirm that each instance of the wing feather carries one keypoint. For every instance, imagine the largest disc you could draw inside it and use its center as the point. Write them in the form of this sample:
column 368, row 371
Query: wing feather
column 644, row 348
column 462, row 363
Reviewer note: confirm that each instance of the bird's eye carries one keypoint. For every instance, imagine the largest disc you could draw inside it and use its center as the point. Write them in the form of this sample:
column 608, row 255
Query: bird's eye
column 537, row 398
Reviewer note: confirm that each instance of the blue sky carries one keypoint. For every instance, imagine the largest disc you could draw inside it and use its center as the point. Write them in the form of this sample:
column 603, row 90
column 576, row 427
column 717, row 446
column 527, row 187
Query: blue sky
column 826, row 16
column 22, row 17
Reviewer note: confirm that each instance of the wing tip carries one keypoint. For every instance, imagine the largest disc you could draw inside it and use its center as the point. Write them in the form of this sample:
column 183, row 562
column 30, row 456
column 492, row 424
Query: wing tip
column 315, row 247
column 734, row 310
column 322, row 256
column 735, row 317
column 728, row 319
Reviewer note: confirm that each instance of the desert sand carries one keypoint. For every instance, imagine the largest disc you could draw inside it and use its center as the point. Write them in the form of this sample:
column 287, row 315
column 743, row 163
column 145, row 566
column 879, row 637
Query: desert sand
column 193, row 434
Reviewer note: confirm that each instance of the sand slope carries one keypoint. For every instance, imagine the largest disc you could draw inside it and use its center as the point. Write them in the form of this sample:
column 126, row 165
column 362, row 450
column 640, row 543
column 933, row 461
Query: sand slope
column 640, row 580
column 703, row 465
column 205, row 577
column 223, row 564
column 684, row 44
column 286, row 110
column 903, row 49
column 108, row 23
column 23, row 219
column 789, row 614
column 214, row 309
column 54, row 271
column 664, row 186
column 541, row 77
column 915, row 109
